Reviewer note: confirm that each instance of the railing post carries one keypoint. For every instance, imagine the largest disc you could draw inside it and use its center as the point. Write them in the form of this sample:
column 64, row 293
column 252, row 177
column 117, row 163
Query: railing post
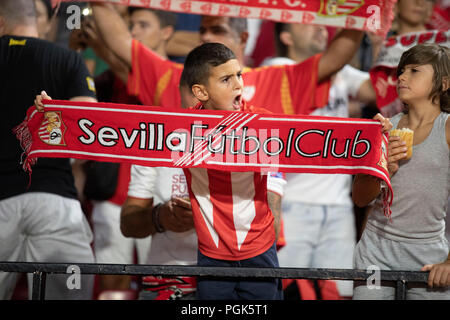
column 38, row 291
column 400, row 290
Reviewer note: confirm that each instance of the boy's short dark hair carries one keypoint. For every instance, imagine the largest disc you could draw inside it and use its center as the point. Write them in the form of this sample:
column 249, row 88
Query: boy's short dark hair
column 199, row 61
column 165, row 18
column 439, row 58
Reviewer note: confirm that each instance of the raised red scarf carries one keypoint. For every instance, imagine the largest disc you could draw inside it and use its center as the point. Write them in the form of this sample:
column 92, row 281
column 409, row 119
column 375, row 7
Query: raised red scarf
column 368, row 15
column 233, row 141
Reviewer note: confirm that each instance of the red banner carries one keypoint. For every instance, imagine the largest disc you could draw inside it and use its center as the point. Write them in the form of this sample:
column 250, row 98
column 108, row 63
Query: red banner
column 368, row 15
column 232, row 141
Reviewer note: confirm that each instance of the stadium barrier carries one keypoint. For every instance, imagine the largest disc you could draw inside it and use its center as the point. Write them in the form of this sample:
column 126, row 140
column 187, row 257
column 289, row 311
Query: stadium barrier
column 40, row 271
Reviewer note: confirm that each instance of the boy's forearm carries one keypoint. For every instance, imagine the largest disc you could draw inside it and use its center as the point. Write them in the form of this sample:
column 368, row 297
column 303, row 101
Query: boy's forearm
column 274, row 201
column 340, row 51
column 365, row 189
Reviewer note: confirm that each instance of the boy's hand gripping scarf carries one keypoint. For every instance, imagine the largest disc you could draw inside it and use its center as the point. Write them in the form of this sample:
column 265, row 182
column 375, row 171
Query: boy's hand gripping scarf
column 368, row 15
column 232, row 141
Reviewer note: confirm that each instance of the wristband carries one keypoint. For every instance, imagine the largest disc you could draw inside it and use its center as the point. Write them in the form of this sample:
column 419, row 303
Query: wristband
column 155, row 217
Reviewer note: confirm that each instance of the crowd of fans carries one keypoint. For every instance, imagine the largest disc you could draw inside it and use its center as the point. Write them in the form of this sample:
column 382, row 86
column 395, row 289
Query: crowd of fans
column 125, row 214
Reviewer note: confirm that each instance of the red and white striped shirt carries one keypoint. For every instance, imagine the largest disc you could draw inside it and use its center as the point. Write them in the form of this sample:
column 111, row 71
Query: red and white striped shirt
column 231, row 212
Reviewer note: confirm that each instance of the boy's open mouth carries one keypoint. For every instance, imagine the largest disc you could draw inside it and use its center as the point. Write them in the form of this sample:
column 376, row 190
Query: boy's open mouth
column 237, row 102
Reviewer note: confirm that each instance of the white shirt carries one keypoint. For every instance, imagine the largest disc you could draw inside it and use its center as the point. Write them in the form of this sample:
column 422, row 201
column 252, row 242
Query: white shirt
column 325, row 189
column 161, row 184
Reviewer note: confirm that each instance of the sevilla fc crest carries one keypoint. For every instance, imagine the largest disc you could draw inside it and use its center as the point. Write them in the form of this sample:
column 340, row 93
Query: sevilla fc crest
column 52, row 129
column 336, row 8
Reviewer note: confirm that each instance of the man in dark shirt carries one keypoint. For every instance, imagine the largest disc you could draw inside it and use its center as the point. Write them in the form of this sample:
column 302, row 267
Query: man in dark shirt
column 40, row 219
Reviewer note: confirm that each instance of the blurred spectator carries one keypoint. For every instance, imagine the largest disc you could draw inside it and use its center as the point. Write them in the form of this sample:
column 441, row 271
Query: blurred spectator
column 96, row 65
column 185, row 37
column 411, row 16
column 317, row 209
column 288, row 83
column 40, row 217
column 152, row 28
column 44, row 18
column 59, row 32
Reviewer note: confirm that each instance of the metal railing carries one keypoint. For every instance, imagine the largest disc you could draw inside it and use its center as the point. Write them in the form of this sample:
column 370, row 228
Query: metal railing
column 40, row 271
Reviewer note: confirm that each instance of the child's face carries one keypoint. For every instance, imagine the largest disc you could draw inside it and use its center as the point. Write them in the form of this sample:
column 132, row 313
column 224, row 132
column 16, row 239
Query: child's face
column 415, row 83
column 224, row 87
column 414, row 12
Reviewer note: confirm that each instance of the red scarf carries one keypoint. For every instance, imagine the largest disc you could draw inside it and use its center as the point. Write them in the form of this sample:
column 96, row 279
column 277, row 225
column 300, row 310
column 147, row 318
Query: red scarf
column 368, row 15
column 233, row 141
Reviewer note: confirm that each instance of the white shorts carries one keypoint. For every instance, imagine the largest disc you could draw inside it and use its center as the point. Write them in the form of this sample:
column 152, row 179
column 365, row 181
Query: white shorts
column 44, row 227
column 110, row 245
column 319, row 236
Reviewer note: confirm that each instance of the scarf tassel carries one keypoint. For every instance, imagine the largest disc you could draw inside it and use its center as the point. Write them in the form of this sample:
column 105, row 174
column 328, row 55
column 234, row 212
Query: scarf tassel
column 22, row 132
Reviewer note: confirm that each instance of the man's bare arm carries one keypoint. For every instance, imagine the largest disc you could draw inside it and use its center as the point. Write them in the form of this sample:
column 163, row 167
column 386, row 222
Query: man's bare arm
column 365, row 189
column 93, row 39
column 136, row 218
column 113, row 30
column 340, row 51
column 182, row 42
column 366, row 92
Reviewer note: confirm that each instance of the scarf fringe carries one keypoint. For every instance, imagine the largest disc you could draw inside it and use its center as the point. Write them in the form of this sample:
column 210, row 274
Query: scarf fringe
column 23, row 133
column 387, row 17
